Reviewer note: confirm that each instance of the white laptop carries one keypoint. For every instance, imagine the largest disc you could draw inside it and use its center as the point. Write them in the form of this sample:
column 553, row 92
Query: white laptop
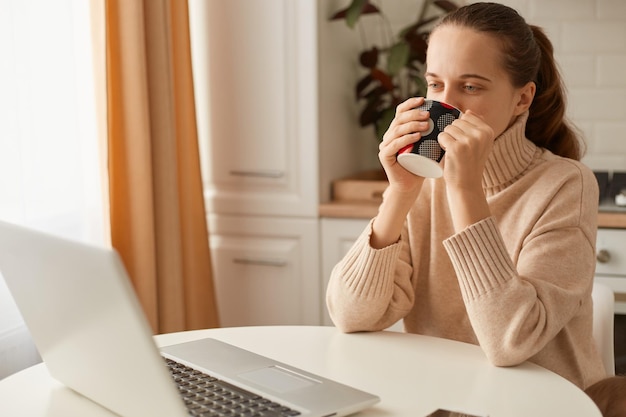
column 83, row 315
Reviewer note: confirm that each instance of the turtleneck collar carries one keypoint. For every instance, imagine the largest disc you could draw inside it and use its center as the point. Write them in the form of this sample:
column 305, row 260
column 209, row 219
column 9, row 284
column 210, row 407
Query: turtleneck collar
column 511, row 155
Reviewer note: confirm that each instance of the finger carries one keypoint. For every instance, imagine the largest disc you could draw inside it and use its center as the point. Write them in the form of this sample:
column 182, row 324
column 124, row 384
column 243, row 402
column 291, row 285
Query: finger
column 409, row 117
column 392, row 147
column 475, row 120
column 473, row 126
column 407, row 110
column 459, row 131
column 445, row 140
column 409, row 104
column 402, row 129
column 468, row 114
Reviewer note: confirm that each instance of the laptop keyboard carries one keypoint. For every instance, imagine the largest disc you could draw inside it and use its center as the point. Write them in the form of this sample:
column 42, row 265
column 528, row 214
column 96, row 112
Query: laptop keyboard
column 206, row 396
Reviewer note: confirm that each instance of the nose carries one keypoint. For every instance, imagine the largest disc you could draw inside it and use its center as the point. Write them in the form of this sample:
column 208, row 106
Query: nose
column 450, row 98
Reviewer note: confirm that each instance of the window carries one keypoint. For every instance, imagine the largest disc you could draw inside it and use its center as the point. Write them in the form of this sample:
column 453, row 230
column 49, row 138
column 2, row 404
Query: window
column 50, row 159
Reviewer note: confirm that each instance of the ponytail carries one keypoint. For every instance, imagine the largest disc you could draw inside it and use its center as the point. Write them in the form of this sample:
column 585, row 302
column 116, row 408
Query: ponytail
column 547, row 124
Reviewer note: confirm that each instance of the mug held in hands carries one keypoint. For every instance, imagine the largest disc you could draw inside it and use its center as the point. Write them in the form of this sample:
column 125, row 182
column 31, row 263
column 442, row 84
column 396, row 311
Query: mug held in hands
column 422, row 157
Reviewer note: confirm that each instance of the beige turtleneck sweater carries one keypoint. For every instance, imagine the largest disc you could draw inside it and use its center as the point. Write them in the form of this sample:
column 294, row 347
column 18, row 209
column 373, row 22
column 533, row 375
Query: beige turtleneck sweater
column 517, row 283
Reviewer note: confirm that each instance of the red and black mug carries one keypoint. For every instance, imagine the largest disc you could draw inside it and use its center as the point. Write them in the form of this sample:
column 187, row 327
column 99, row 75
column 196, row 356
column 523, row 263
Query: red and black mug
column 423, row 157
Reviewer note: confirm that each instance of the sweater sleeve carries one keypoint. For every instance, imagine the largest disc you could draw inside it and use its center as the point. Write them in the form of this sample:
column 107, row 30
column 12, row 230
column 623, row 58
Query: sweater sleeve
column 521, row 298
column 370, row 289
column 516, row 309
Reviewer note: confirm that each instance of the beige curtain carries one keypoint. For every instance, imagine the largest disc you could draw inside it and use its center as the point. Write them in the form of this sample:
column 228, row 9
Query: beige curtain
column 157, row 214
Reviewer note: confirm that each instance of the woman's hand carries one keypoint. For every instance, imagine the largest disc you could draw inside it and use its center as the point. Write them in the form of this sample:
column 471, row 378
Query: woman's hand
column 404, row 130
column 403, row 185
column 468, row 142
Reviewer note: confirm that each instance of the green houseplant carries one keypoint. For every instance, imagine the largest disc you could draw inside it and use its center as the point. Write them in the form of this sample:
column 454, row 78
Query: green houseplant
column 394, row 70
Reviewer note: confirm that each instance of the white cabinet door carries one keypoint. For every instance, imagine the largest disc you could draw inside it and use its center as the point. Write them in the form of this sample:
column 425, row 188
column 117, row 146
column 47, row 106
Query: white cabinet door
column 338, row 236
column 265, row 270
column 255, row 75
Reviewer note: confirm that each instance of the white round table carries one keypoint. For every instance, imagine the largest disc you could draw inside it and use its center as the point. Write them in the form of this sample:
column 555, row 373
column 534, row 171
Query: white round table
column 412, row 374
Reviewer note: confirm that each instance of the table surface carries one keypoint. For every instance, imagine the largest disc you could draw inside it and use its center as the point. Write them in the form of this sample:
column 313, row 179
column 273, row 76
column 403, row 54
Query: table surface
column 412, row 374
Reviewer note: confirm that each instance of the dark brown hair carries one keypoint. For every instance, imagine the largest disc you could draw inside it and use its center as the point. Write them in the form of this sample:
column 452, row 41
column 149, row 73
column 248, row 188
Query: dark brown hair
column 527, row 56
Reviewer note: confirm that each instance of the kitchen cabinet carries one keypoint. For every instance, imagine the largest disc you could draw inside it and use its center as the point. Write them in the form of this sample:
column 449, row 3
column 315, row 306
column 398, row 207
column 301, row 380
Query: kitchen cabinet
column 265, row 270
column 338, row 235
column 255, row 80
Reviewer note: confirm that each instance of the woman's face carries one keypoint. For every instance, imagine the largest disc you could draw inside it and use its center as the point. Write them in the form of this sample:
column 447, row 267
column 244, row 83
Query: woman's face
column 464, row 69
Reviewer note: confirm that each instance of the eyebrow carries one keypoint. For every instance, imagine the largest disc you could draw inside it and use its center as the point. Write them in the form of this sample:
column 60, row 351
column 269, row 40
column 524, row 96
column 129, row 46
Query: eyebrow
column 464, row 76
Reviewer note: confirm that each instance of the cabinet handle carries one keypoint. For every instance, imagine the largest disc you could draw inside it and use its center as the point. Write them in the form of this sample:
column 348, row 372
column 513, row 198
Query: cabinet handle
column 263, row 174
column 603, row 256
column 261, row 262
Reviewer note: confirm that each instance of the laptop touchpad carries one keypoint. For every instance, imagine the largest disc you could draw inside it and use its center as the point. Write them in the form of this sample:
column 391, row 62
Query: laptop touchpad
column 278, row 379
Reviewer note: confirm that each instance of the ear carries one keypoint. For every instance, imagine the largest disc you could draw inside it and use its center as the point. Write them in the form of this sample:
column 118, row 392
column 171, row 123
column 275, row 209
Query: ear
column 526, row 94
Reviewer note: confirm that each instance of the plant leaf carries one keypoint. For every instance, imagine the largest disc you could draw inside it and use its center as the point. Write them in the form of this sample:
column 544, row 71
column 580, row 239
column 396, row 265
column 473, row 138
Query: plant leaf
column 367, row 9
column 354, row 11
column 362, row 85
column 418, row 46
column 385, row 80
column 383, row 122
column 421, row 86
column 369, row 58
column 398, row 57
column 376, row 94
column 370, row 114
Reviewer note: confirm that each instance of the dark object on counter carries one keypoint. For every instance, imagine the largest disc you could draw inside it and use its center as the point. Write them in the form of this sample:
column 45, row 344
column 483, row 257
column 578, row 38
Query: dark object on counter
column 617, row 184
column 603, row 183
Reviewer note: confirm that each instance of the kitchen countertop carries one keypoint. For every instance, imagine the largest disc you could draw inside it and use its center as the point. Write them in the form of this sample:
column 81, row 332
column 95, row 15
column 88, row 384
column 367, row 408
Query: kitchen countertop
column 349, row 209
column 612, row 219
column 608, row 216
column 358, row 197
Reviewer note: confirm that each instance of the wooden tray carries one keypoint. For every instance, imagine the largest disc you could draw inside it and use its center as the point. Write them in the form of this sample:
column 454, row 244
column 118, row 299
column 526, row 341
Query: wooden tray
column 367, row 186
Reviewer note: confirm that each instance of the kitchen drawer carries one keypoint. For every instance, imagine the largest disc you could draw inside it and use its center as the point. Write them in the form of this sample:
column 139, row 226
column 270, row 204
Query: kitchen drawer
column 265, row 270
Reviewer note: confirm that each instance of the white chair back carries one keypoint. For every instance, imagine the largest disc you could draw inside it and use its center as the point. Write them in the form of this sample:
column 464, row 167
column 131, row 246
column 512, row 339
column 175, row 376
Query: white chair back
column 603, row 318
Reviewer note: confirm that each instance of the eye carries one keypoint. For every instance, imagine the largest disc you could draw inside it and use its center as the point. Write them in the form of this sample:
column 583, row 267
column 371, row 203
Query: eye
column 433, row 85
column 471, row 88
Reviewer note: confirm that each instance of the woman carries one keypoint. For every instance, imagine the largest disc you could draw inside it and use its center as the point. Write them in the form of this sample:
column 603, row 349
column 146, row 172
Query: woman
column 498, row 252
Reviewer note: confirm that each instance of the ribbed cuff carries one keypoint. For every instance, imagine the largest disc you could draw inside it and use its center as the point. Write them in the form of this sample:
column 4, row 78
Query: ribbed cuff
column 480, row 258
column 366, row 270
